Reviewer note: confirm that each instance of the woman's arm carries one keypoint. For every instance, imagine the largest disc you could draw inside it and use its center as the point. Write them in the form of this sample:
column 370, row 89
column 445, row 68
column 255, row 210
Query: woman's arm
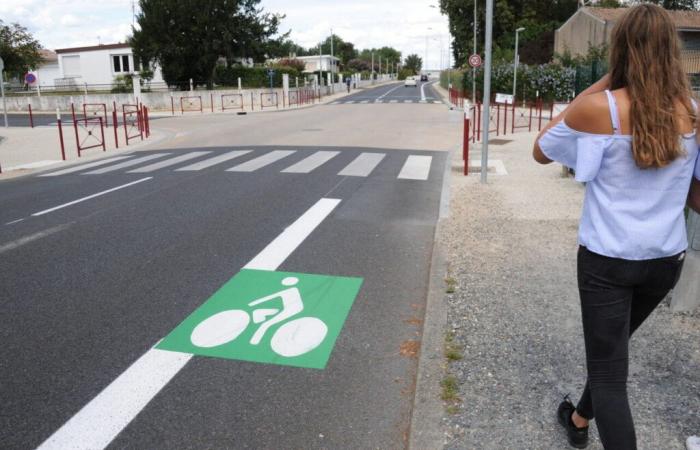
column 694, row 195
column 598, row 86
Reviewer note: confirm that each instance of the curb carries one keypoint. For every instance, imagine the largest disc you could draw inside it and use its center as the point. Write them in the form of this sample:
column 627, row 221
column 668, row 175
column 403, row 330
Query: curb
column 425, row 431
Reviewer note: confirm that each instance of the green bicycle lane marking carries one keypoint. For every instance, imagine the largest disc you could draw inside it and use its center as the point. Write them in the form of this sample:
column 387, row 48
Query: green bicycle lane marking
column 284, row 318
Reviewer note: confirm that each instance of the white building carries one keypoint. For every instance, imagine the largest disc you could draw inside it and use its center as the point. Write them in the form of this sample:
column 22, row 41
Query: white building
column 98, row 66
column 326, row 62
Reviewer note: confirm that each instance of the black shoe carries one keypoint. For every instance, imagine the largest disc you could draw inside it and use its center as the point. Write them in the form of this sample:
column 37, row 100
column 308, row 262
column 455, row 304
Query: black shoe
column 578, row 437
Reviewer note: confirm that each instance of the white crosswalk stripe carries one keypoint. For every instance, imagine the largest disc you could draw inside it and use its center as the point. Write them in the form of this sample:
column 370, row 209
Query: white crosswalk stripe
column 364, row 101
column 85, row 166
column 350, row 101
column 393, row 101
column 213, row 161
column 417, row 167
column 379, row 101
column 168, row 162
column 363, row 165
column 261, row 161
column 310, row 163
column 130, row 163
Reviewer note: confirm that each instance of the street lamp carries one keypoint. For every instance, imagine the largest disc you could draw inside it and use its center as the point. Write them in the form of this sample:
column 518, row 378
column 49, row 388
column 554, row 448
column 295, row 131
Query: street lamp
column 515, row 62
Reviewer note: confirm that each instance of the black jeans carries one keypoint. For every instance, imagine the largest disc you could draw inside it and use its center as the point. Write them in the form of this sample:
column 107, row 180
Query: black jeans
column 617, row 295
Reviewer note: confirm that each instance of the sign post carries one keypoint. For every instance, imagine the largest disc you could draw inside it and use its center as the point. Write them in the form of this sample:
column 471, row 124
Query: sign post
column 487, row 91
column 2, row 89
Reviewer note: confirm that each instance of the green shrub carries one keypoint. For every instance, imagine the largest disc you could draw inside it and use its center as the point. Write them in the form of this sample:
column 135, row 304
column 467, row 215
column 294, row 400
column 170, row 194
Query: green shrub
column 404, row 73
column 253, row 77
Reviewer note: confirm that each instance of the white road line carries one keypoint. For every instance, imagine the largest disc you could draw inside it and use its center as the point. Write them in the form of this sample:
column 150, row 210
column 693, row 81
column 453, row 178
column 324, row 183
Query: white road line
column 14, row 221
column 436, row 101
column 261, row 161
column 168, row 162
column 417, row 167
column 310, row 163
column 422, row 92
column 408, row 101
column 80, row 200
column 364, row 101
column 125, row 164
column 363, row 165
column 379, row 101
column 214, row 161
column 85, row 166
column 389, row 91
column 33, row 237
column 393, row 101
column 101, row 420
column 334, row 103
column 348, row 102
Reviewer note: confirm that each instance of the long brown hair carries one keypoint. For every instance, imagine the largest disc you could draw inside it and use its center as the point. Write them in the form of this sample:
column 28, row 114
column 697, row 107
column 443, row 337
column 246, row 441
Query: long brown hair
column 645, row 58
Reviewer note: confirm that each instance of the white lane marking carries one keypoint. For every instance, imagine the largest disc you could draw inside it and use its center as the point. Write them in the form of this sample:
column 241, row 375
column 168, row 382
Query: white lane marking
column 125, row 164
column 363, row 165
column 334, row 103
column 33, row 237
column 408, row 101
column 168, row 162
column 85, row 166
column 105, row 416
column 422, row 92
column 80, row 200
column 310, row 163
column 348, row 102
column 417, row 167
column 388, row 92
column 364, row 101
column 261, row 161
column 214, row 161
column 393, row 101
column 379, row 101
column 436, row 101
column 15, row 221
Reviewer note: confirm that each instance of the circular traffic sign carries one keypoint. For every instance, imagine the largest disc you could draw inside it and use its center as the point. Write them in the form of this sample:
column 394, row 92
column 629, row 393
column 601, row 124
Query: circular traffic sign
column 475, row 60
column 30, row 78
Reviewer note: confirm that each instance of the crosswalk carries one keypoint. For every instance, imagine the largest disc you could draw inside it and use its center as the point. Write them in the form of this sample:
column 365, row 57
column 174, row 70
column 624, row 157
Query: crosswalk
column 391, row 101
column 303, row 161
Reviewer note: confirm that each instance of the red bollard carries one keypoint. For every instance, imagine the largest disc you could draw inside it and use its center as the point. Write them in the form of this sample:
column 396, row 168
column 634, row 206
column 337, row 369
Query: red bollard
column 102, row 132
column 172, row 104
column 211, row 98
column 465, row 144
column 114, row 126
column 72, row 111
column 60, row 135
column 31, row 118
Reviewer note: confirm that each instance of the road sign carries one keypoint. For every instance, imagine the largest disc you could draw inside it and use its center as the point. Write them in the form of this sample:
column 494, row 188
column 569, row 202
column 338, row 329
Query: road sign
column 504, row 98
column 30, row 78
column 281, row 318
column 475, row 60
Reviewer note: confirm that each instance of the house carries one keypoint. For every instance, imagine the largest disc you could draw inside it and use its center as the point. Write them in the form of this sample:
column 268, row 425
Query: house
column 593, row 27
column 327, row 63
column 48, row 69
column 97, row 66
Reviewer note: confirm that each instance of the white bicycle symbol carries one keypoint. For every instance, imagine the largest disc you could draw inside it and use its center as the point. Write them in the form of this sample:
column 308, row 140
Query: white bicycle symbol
column 294, row 338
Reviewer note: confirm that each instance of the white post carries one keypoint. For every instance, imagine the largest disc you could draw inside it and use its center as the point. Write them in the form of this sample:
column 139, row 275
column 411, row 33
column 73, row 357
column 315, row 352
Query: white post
column 515, row 62
column 296, row 81
column 38, row 86
column 191, row 85
column 136, row 81
column 2, row 90
column 240, row 85
column 85, row 90
column 285, row 86
column 329, row 79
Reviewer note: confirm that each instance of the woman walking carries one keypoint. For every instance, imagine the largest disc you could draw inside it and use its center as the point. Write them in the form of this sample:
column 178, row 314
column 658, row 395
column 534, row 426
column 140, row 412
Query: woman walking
column 630, row 137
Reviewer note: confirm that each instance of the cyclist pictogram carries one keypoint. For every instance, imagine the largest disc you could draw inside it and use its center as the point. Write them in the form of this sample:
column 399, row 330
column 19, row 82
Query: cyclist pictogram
column 271, row 317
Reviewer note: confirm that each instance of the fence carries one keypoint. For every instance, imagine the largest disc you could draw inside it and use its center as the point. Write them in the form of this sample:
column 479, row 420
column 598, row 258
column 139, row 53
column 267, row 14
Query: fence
column 508, row 118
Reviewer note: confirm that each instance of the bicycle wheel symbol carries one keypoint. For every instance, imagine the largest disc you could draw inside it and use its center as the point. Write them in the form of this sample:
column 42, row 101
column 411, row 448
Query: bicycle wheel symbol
column 294, row 338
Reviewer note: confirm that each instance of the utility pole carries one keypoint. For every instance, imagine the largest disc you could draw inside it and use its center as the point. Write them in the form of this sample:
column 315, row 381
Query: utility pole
column 515, row 62
column 487, row 91
column 332, row 61
column 474, row 68
column 320, row 67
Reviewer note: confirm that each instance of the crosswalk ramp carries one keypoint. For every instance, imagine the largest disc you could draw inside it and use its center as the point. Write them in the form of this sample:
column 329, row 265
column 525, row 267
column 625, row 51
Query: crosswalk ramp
column 349, row 163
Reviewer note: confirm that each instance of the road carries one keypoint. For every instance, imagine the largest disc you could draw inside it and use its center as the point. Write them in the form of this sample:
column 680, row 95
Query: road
column 101, row 261
column 395, row 93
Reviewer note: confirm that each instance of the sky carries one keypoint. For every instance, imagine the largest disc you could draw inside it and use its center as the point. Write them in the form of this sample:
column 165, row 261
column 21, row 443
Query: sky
column 405, row 25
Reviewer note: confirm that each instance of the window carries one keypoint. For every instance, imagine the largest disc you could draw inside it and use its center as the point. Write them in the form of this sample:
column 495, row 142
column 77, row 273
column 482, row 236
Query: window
column 120, row 63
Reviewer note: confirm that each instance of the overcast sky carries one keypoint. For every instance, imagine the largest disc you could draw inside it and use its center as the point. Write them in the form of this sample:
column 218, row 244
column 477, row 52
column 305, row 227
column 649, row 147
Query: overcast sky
column 367, row 23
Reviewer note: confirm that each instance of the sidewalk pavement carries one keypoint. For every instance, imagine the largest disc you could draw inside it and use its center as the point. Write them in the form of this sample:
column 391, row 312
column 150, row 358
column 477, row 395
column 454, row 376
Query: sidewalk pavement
column 515, row 317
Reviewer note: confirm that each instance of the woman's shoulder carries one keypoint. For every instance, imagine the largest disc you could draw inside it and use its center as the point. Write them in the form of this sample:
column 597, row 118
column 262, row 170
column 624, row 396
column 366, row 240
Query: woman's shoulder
column 590, row 115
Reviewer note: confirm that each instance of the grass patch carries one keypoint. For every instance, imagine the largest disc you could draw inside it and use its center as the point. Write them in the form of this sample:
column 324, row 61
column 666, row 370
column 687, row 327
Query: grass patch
column 452, row 409
column 451, row 285
column 450, row 389
column 452, row 350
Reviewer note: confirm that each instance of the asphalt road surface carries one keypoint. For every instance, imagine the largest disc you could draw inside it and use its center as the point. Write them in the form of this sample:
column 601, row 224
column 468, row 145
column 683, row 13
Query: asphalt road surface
column 39, row 119
column 398, row 92
column 100, row 261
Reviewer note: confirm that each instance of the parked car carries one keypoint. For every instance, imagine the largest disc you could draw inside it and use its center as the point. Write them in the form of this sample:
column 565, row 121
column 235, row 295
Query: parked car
column 410, row 81
column 424, row 77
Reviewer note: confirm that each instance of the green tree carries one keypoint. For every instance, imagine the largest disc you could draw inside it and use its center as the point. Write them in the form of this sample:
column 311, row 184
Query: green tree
column 343, row 50
column 18, row 49
column 687, row 5
column 414, row 63
column 187, row 37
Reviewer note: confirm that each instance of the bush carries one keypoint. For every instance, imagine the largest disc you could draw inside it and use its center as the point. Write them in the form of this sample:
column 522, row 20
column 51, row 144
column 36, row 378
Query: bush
column 253, row 77
column 404, row 73
column 123, row 84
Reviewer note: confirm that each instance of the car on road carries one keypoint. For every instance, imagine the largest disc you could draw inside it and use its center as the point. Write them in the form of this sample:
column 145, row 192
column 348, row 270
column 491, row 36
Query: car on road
column 424, row 77
column 410, row 81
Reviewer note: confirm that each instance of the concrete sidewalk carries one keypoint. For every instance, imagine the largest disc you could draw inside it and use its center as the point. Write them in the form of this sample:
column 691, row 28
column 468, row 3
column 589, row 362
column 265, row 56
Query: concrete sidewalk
column 515, row 317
